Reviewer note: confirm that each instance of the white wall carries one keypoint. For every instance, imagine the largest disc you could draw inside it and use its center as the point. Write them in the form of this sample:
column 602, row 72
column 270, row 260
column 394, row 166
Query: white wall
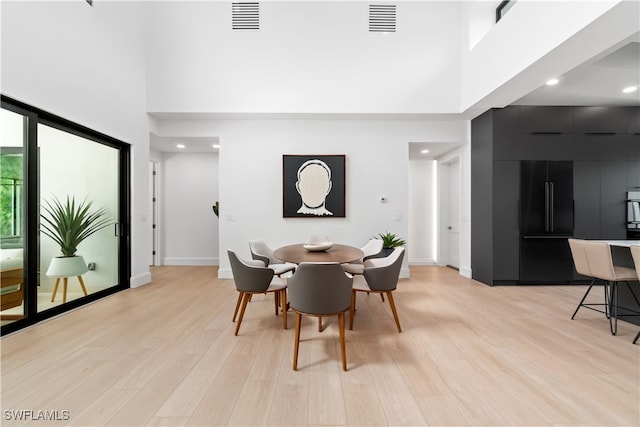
column 308, row 57
column 250, row 182
column 422, row 209
column 86, row 64
column 189, row 227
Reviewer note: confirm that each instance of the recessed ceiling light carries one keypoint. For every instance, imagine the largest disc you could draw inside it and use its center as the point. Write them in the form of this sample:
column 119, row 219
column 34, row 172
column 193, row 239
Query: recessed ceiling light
column 424, row 151
column 630, row 89
column 180, row 145
column 216, row 145
column 552, row 82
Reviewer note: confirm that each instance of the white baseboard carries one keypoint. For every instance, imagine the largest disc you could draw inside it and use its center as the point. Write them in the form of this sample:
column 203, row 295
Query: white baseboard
column 225, row 273
column 466, row 272
column 422, row 261
column 189, row 261
column 140, row 279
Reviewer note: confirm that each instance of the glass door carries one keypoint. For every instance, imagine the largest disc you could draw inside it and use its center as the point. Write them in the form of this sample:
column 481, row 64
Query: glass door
column 64, row 218
column 79, row 216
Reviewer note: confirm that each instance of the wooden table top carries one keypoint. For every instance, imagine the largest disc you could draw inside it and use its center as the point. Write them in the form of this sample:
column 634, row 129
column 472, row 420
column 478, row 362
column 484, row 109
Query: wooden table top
column 337, row 253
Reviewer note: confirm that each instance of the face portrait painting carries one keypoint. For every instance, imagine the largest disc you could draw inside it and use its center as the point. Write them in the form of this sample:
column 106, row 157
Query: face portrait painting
column 315, row 187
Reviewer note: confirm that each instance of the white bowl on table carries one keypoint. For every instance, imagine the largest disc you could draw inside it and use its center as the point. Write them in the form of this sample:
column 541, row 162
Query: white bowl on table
column 317, row 246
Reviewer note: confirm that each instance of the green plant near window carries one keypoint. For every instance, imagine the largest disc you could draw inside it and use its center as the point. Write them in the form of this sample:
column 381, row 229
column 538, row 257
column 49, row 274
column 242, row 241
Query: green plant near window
column 69, row 223
column 391, row 240
column 216, row 208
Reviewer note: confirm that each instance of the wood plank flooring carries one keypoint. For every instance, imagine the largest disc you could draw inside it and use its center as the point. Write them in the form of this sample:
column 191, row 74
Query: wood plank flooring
column 164, row 354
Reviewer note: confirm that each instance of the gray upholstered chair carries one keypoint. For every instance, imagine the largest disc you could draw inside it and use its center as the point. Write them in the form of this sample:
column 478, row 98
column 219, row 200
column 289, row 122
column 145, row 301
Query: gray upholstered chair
column 601, row 266
column 380, row 276
column 319, row 289
column 581, row 264
column 262, row 252
column 252, row 277
column 635, row 253
column 372, row 247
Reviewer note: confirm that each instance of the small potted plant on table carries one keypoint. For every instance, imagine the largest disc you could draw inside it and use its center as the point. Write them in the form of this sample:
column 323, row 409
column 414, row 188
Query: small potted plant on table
column 389, row 242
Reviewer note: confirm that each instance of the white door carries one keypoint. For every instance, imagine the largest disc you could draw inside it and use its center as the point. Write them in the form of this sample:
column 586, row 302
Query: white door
column 153, row 207
column 454, row 214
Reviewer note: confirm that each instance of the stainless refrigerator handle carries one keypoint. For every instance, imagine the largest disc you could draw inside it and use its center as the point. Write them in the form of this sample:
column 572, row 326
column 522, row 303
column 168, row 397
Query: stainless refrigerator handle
column 546, row 206
column 551, row 210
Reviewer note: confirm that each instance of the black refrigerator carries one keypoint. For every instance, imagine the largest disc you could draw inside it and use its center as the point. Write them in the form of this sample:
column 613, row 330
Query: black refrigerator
column 546, row 221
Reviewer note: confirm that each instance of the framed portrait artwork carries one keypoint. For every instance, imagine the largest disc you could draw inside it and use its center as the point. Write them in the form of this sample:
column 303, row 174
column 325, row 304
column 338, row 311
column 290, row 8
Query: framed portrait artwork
column 313, row 186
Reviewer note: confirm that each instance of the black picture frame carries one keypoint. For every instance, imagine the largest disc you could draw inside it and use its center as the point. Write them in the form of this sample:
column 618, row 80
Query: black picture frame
column 310, row 168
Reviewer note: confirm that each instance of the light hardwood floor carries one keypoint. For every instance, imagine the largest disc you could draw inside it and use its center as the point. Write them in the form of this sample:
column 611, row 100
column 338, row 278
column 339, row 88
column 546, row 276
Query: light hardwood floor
column 469, row 354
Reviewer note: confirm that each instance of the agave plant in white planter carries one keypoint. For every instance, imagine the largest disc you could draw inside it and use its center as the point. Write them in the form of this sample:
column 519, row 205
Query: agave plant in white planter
column 68, row 224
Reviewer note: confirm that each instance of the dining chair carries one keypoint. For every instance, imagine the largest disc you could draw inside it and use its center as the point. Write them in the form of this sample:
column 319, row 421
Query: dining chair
column 635, row 253
column 252, row 277
column 320, row 289
column 262, row 252
column 372, row 247
column 380, row 276
column 581, row 263
column 602, row 267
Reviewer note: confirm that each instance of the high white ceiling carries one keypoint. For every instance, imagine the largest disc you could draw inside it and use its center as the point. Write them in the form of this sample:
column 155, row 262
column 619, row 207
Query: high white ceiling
column 597, row 82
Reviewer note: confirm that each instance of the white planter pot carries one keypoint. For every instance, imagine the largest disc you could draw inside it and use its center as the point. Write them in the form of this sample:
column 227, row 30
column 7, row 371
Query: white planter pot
column 67, row 266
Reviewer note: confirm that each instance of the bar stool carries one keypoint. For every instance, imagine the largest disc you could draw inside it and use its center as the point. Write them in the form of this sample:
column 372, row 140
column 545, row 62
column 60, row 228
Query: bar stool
column 635, row 253
column 581, row 264
column 601, row 266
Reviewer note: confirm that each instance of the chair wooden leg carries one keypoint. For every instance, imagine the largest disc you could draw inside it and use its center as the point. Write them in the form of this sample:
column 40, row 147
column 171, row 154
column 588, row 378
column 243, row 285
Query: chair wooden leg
column 352, row 309
column 319, row 323
column 235, row 313
column 276, row 300
column 245, row 299
column 393, row 309
column 283, row 300
column 382, row 296
column 342, row 341
column 296, row 342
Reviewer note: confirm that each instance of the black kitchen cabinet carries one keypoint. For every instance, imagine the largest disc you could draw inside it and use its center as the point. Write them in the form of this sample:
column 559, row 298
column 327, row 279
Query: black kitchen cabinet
column 634, row 121
column 601, row 120
column 548, row 120
column 604, row 145
column 633, row 175
column 613, row 196
column 506, row 230
column 586, row 193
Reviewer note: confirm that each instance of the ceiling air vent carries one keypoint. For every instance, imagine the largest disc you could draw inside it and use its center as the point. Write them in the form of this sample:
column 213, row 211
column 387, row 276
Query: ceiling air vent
column 382, row 18
column 245, row 16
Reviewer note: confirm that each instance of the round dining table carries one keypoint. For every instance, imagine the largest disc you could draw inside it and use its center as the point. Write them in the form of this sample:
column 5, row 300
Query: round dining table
column 337, row 253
